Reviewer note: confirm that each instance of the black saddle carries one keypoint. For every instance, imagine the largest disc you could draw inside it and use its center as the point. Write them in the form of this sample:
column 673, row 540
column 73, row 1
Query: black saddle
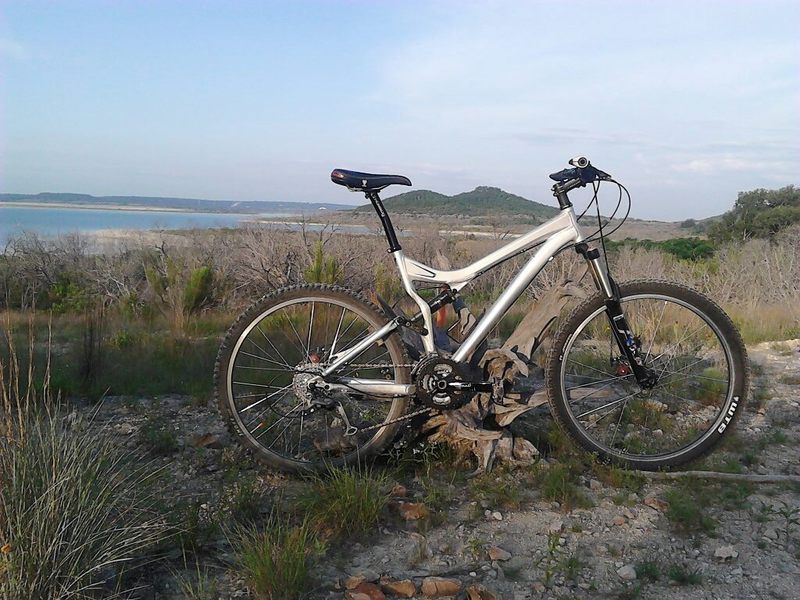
column 366, row 182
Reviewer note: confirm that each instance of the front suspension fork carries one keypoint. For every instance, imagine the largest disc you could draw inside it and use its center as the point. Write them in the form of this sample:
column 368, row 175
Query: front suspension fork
column 627, row 342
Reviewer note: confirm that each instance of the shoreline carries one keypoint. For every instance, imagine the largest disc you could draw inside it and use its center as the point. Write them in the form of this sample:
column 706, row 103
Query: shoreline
column 124, row 208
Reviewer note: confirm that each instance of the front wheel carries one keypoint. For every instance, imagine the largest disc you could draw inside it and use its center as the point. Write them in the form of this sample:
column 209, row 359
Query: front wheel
column 696, row 353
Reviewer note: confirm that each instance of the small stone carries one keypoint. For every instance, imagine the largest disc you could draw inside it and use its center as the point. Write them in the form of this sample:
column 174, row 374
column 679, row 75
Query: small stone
column 351, row 595
column 208, row 440
column 595, row 485
column 725, row 552
column 354, row 581
column 656, row 504
column 737, row 571
column 473, row 574
column 399, row 490
column 404, row 588
column 618, row 520
column 370, row 590
column 436, row 587
column 658, row 433
column 771, row 534
column 555, row 526
column 497, row 516
column 497, row 553
column 413, row 511
column 628, row 572
column 539, row 587
column 478, row 592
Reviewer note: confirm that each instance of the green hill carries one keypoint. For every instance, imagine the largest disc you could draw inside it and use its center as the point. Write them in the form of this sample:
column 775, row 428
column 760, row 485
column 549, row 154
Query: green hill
column 480, row 202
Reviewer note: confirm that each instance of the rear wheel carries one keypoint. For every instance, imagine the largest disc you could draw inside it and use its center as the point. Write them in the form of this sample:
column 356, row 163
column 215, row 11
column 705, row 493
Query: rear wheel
column 272, row 351
column 696, row 353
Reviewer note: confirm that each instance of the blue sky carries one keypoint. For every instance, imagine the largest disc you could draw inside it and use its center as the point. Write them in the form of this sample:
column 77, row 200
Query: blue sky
column 686, row 103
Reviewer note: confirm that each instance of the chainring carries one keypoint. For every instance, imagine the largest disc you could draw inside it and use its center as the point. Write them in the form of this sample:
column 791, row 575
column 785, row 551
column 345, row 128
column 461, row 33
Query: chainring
column 442, row 384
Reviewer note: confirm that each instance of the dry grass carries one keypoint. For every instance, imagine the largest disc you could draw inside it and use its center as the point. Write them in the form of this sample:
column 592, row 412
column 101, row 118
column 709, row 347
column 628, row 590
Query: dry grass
column 75, row 513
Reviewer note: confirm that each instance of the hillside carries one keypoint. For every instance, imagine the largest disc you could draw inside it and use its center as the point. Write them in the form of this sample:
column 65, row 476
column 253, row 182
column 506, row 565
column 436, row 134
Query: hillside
column 482, row 201
column 189, row 204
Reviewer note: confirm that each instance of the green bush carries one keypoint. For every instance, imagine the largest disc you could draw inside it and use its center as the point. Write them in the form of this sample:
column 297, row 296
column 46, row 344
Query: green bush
column 324, row 268
column 198, row 289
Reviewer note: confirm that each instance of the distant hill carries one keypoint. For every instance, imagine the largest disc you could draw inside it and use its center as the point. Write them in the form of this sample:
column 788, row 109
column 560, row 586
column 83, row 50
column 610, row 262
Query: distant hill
column 190, row 204
column 480, row 202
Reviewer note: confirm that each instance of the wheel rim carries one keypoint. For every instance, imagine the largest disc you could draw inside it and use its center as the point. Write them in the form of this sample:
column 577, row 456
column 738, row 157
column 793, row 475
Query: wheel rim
column 687, row 406
column 274, row 357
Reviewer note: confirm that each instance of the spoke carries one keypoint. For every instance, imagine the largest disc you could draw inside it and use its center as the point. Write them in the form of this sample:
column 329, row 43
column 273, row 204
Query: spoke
column 587, row 366
column 297, row 335
column 589, row 395
column 619, row 420
column 668, row 393
column 609, row 405
column 283, row 431
column 286, row 416
column 310, row 327
column 264, row 368
column 615, row 378
column 655, row 331
column 695, row 376
column 264, row 359
column 264, row 335
column 336, row 335
column 680, row 341
column 265, row 398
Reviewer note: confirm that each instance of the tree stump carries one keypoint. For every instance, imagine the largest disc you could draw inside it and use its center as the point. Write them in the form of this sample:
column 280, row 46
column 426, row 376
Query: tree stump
column 480, row 427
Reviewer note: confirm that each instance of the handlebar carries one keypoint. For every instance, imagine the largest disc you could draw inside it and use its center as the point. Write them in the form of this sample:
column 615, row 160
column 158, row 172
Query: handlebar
column 581, row 174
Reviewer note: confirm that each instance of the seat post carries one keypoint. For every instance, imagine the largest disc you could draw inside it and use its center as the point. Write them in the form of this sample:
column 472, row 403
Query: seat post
column 388, row 228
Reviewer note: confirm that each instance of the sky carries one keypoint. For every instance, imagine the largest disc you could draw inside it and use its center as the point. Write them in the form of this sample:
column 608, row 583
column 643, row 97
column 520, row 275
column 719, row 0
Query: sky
column 686, row 103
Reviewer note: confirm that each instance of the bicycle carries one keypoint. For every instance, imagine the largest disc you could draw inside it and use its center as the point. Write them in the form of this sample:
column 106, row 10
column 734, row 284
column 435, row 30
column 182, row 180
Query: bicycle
column 646, row 374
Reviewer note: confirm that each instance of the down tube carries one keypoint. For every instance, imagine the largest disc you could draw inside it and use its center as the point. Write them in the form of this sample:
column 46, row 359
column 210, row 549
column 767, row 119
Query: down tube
column 513, row 291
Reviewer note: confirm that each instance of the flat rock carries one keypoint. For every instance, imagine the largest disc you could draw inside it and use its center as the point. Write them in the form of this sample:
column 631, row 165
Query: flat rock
column 436, row 587
column 497, row 553
column 413, row 511
column 354, row 581
column 404, row 588
column 556, row 526
column 656, row 504
column 725, row 552
column 628, row 573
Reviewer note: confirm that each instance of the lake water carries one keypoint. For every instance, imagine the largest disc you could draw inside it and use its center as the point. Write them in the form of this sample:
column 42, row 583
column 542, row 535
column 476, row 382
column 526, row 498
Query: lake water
column 51, row 221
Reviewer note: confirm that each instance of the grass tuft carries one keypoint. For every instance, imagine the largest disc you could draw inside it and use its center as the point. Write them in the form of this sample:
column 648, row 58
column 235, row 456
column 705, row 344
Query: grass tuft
column 686, row 511
column 345, row 501
column 276, row 560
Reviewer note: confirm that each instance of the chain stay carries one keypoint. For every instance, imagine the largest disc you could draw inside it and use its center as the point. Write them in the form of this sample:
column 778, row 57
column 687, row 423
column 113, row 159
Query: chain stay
column 404, row 417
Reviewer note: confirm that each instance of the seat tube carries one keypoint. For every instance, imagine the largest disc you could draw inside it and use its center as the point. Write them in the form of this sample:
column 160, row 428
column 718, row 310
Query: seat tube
column 388, row 228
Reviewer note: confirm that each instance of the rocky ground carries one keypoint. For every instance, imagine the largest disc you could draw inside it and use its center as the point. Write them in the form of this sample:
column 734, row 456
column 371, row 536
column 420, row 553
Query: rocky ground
column 499, row 536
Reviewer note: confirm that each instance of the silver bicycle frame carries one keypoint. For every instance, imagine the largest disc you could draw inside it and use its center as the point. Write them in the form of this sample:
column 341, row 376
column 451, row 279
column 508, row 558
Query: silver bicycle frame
column 553, row 235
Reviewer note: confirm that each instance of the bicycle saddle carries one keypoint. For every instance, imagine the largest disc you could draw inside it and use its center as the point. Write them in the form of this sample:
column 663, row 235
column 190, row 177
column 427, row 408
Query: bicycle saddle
column 366, row 182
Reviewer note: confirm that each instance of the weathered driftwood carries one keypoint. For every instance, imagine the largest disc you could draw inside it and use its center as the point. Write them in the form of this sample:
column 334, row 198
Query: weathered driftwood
column 717, row 476
column 467, row 428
